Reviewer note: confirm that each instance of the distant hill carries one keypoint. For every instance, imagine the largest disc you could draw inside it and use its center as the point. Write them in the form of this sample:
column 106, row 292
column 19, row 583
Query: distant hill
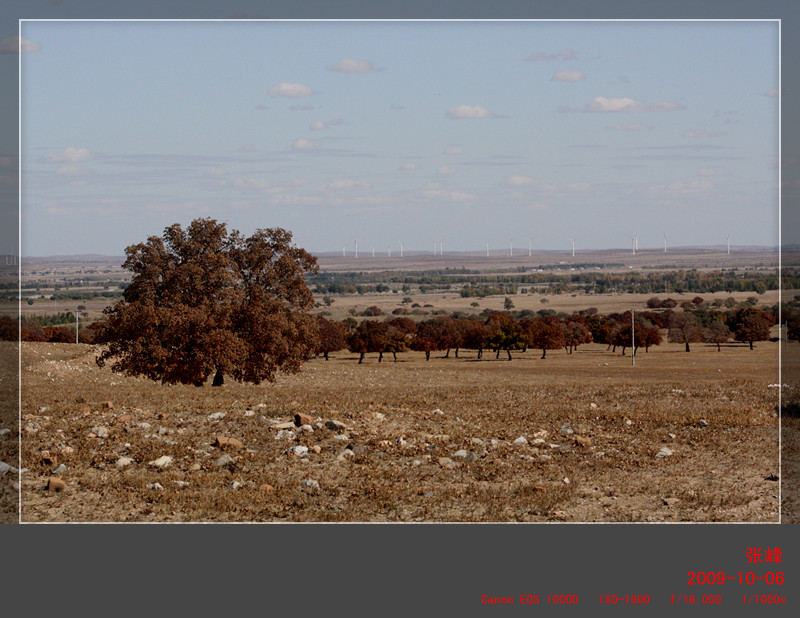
column 88, row 257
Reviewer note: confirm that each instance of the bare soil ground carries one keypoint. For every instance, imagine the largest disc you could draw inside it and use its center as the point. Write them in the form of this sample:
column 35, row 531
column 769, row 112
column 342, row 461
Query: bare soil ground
column 405, row 424
column 9, row 432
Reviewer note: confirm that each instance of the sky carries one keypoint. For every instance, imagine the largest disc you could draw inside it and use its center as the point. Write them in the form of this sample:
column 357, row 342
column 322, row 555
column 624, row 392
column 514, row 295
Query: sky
column 387, row 132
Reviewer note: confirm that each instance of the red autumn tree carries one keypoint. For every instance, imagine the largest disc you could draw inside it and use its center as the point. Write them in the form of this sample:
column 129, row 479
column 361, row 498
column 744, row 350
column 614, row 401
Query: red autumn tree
column 504, row 333
column 202, row 301
column 369, row 337
column 575, row 334
column 684, row 328
column 332, row 336
column 717, row 332
column 751, row 324
column 546, row 334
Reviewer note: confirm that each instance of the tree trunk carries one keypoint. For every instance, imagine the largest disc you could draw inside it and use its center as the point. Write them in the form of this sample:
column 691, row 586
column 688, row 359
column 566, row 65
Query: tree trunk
column 395, row 356
column 456, row 352
column 361, row 358
column 380, row 356
column 480, row 353
column 496, row 356
column 325, row 355
column 718, row 348
column 509, row 354
column 544, row 352
column 751, row 345
column 448, row 353
column 687, row 347
column 623, row 350
column 427, row 355
column 218, row 379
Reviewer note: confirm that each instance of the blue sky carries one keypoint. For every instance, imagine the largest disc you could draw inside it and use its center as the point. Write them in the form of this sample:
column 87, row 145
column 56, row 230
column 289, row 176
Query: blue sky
column 401, row 131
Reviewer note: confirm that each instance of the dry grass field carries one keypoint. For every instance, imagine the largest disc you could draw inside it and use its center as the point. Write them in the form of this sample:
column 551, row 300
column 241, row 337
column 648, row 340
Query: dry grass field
column 9, row 431
column 421, row 441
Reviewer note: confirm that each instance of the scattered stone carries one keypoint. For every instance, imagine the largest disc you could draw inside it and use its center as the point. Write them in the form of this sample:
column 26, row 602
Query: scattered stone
column 56, row 484
column 4, row 467
column 703, row 422
column 49, row 460
column 124, row 461
column 285, row 434
column 346, row 454
column 671, row 501
column 306, row 429
column 43, row 409
column 301, row 419
column 460, row 453
column 61, row 469
column 566, row 480
column 249, row 413
column 31, row 428
column 181, row 483
column 316, row 448
column 282, row 426
column 235, row 485
column 428, row 494
column 664, row 452
column 216, row 416
column 416, row 462
column 521, row 440
column 310, row 485
column 267, row 488
column 334, row 425
column 542, row 433
column 143, row 425
column 223, row 461
column 599, row 454
column 195, row 467
column 358, row 449
column 538, row 441
column 163, row 431
column 477, row 441
column 672, row 436
column 593, row 406
column 628, row 422
column 67, row 450
column 341, row 436
column 401, row 441
column 4, row 432
column 446, row 462
column 224, row 442
column 108, row 405
column 582, row 441
column 555, row 447
column 300, row 451
column 566, row 430
column 156, row 487
column 380, row 416
column 544, row 457
column 161, row 462
column 124, row 418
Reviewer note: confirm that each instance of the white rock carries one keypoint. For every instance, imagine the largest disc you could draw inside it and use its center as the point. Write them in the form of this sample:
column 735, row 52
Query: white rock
column 223, row 461
column 143, row 425
column 380, row 416
column 216, row 416
column 4, row 432
column 521, row 440
column 542, row 433
column 341, row 436
column 566, row 480
column 124, row 461
column 285, row 434
column 460, row 453
column 306, row 429
column 628, row 422
column 235, row 485
column 300, row 451
column 664, row 452
column 310, row 485
column 538, row 441
column 156, row 486
column 672, row 436
column 181, row 483
column 161, row 462
column 593, row 406
column 249, row 413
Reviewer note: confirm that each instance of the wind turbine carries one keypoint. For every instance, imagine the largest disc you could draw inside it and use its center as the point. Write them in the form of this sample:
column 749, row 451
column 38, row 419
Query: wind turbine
column 530, row 241
column 633, row 243
column 344, row 253
column 511, row 247
column 487, row 248
column 355, row 244
column 636, row 240
column 573, row 246
column 389, row 249
column 373, row 250
column 401, row 248
column 728, row 237
column 665, row 243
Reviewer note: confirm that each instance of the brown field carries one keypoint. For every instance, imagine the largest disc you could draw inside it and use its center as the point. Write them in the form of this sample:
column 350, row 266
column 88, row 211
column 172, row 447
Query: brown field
column 405, row 423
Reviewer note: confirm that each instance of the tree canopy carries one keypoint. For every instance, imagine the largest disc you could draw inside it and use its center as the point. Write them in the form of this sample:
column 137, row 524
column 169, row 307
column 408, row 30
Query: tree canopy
column 203, row 300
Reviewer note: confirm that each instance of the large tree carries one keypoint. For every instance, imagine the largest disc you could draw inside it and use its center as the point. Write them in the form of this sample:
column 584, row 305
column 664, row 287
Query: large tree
column 685, row 328
column 203, row 300
column 751, row 324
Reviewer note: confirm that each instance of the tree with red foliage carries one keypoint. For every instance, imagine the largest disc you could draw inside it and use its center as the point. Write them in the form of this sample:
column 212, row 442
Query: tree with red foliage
column 9, row 329
column 546, row 334
column 332, row 336
column 202, row 301
column 475, row 335
column 427, row 338
column 751, row 324
column 504, row 333
column 717, row 332
column 575, row 333
column 369, row 337
column 684, row 328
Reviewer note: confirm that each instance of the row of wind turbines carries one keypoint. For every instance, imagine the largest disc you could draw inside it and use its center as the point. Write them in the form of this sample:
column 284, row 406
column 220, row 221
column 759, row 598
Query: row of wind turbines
column 438, row 246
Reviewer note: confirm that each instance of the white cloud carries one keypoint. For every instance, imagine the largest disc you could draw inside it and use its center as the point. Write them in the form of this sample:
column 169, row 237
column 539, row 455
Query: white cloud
column 352, row 65
column 469, row 111
column 579, row 187
column 773, row 92
column 409, row 166
column 69, row 170
column 454, row 196
column 568, row 76
column 320, row 125
column 346, row 183
column 444, row 170
column 70, row 155
column 305, row 144
column 519, row 181
column 626, row 104
column 15, row 44
column 453, row 150
column 630, row 127
column 287, row 89
column 302, row 107
column 564, row 54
